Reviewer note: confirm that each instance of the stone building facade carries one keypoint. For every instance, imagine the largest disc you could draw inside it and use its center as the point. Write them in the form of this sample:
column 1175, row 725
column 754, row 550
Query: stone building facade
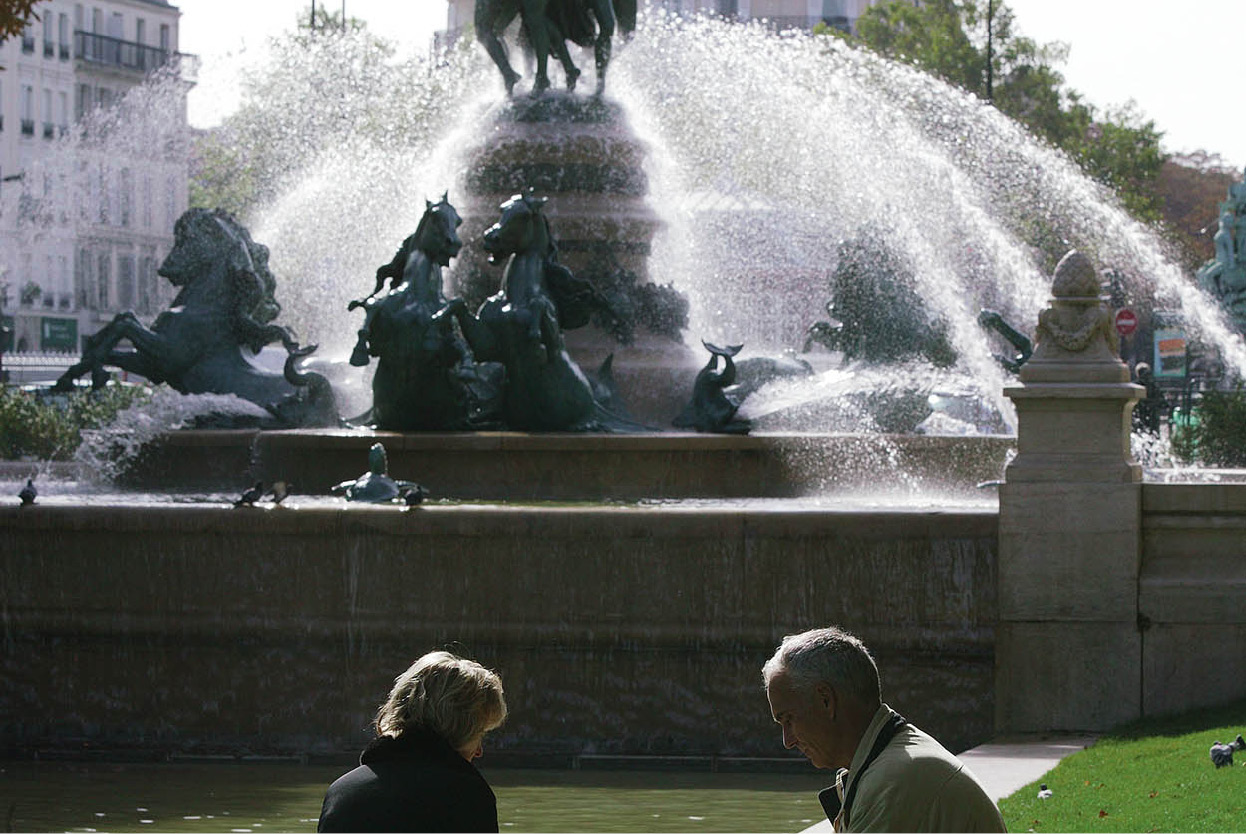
column 86, row 209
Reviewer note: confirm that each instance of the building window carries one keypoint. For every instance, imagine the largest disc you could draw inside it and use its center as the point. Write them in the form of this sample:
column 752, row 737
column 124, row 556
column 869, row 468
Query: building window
column 103, row 277
column 166, row 45
column 64, row 112
column 102, row 193
column 49, row 129
column 28, row 110
column 63, row 33
column 82, row 101
column 64, row 294
column 126, row 188
column 28, row 39
column 170, row 214
column 83, row 283
column 147, row 285
column 146, row 201
column 49, row 43
column 125, row 282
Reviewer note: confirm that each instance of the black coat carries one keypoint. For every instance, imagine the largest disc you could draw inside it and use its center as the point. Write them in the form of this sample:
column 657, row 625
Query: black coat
column 417, row 782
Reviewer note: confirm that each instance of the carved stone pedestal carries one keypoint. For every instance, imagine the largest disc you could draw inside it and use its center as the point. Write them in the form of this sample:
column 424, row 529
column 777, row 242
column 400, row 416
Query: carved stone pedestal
column 1068, row 652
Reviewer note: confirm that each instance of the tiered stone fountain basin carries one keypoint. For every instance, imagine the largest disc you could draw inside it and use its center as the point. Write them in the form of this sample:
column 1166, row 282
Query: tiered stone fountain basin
column 173, row 622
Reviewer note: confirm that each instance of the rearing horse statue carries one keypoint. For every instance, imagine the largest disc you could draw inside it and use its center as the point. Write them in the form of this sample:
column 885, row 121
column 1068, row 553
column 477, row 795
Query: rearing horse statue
column 426, row 378
column 224, row 303
column 521, row 326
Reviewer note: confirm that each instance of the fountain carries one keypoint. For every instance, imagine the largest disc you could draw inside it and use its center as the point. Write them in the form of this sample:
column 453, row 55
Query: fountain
column 623, row 623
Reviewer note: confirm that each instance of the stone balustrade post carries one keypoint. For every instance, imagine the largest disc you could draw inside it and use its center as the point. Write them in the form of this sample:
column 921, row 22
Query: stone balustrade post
column 1068, row 649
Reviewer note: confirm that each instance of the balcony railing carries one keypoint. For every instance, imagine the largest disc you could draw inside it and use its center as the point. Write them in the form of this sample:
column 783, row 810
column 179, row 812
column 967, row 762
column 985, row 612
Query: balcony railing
column 66, row 52
column 49, row 130
column 28, row 45
column 101, row 50
column 783, row 23
column 28, row 127
column 49, row 49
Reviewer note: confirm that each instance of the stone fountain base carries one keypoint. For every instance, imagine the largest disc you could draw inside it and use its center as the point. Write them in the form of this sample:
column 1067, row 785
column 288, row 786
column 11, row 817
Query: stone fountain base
column 512, row 466
column 199, row 629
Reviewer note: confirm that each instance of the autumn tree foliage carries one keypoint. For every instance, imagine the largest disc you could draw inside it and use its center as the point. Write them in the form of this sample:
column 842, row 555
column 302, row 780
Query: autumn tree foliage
column 14, row 15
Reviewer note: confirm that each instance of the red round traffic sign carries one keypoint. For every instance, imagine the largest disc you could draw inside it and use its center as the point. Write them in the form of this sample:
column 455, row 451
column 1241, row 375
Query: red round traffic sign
column 1126, row 321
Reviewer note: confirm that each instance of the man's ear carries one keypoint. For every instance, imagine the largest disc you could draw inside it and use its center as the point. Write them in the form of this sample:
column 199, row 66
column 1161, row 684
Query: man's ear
column 825, row 696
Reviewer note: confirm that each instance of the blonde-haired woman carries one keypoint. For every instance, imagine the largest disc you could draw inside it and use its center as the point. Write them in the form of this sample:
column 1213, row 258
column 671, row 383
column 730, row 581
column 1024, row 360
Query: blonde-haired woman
column 417, row 775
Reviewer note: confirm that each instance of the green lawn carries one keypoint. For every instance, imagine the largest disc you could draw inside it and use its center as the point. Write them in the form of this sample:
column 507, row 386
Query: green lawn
column 1155, row 775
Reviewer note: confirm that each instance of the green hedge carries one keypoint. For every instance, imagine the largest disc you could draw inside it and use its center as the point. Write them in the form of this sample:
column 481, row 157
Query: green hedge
column 51, row 429
column 1215, row 434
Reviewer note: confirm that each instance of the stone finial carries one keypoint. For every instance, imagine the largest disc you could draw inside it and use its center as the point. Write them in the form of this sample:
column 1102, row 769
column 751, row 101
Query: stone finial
column 1075, row 277
column 1077, row 341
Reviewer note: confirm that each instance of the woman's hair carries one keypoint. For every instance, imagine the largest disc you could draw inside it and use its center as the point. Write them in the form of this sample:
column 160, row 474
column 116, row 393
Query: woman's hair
column 457, row 699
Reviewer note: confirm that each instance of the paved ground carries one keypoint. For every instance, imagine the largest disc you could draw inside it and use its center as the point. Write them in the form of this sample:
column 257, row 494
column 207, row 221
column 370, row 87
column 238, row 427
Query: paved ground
column 1006, row 764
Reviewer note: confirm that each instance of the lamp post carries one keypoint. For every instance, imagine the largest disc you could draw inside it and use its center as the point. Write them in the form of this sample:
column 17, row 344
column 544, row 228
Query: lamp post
column 990, row 50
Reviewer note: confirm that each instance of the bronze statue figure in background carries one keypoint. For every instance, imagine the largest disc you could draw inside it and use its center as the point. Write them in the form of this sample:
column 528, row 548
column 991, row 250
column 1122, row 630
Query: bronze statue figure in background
column 492, row 18
column 547, row 26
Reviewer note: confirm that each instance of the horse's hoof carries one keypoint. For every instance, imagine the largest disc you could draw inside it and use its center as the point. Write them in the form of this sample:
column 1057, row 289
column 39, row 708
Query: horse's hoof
column 510, row 80
column 539, row 87
column 359, row 356
column 573, row 76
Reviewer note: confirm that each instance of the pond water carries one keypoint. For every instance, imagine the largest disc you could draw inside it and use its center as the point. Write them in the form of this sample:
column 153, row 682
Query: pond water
column 259, row 798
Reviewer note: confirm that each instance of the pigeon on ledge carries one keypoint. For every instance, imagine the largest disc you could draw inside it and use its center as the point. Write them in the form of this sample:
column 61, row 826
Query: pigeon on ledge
column 252, row 495
column 28, row 493
column 280, row 490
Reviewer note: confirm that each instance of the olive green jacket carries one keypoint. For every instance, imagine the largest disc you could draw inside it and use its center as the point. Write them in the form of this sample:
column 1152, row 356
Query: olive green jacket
column 914, row 784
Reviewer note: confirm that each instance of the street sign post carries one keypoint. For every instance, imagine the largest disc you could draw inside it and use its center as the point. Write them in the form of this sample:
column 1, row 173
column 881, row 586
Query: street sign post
column 1126, row 321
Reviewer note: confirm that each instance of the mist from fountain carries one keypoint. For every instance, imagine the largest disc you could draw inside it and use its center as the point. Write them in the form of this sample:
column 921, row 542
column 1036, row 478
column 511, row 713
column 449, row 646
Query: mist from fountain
column 767, row 151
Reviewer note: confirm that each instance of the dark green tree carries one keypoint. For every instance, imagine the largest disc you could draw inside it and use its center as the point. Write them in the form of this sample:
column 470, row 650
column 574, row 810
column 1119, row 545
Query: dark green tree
column 948, row 38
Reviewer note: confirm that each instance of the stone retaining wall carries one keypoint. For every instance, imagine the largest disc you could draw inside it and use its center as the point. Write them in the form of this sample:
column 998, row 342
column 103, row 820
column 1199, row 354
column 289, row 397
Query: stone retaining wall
column 617, row 630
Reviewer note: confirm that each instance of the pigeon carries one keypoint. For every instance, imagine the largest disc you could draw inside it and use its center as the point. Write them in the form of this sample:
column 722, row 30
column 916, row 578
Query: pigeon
column 1044, row 792
column 28, row 493
column 413, row 495
column 252, row 495
column 1222, row 754
column 280, row 490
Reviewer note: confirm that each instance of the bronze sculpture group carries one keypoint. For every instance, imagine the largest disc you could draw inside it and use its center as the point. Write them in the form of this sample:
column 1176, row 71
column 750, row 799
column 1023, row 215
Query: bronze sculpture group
column 504, row 367
column 439, row 367
column 547, row 26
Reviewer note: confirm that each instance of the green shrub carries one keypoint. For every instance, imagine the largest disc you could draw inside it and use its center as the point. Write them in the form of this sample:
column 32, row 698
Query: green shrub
column 1216, row 433
column 51, row 429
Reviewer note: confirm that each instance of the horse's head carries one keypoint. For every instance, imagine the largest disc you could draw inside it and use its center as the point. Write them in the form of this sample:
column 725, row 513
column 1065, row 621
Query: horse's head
column 437, row 236
column 203, row 239
column 521, row 229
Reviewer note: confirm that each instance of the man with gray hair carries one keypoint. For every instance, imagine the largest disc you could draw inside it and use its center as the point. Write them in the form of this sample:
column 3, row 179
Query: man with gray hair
column 824, row 692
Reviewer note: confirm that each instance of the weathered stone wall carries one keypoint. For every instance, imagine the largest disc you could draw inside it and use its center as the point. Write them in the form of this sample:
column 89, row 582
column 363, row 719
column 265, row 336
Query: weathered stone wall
column 626, row 630
column 1190, row 597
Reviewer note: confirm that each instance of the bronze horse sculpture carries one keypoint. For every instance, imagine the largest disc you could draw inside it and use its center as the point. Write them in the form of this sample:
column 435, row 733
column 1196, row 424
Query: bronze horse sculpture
column 224, row 304
column 548, row 25
column 521, row 326
column 426, row 378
